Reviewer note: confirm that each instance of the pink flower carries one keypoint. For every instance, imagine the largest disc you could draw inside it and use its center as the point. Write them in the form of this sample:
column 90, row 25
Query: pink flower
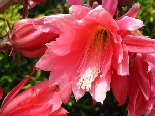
column 28, row 40
column 141, row 89
column 38, row 100
column 90, row 46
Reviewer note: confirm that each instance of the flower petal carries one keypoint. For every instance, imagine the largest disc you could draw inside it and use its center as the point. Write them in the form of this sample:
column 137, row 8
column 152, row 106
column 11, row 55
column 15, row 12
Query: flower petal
column 14, row 92
column 79, row 11
column 132, row 11
column 142, row 77
column 139, row 44
column 128, row 24
column 100, row 86
column 18, row 101
column 133, row 96
column 119, row 86
column 110, row 6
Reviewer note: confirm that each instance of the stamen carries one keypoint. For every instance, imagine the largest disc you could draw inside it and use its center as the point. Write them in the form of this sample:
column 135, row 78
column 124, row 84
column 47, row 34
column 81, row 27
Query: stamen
column 87, row 78
column 91, row 62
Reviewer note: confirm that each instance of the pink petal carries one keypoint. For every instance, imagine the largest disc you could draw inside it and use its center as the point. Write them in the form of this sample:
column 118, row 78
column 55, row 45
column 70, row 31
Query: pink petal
column 120, row 60
column 128, row 24
column 117, row 47
column 78, row 93
column 65, row 90
column 60, row 112
column 98, row 16
column 123, row 67
column 141, row 75
column 139, row 44
column 18, row 101
column 79, row 11
column 40, row 87
column 37, row 110
column 40, row 24
column 14, row 92
column 44, row 62
column 74, row 2
column 100, row 86
column 64, row 22
column 133, row 93
column 31, row 4
column 110, row 6
column 132, row 12
column 140, row 107
column 119, row 86
column 22, row 22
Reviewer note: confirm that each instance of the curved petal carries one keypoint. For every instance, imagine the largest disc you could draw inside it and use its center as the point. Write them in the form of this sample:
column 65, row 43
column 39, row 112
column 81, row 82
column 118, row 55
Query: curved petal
column 119, row 86
column 18, row 101
column 123, row 67
column 78, row 11
column 128, row 24
column 31, row 4
column 101, row 16
column 48, row 58
column 110, row 6
column 132, row 11
column 133, row 94
column 40, row 24
column 22, row 22
column 100, row 86
column 78, row 93
column 65, row 90
column 60, row 112
column 142, row 77
column 14, row 92
column 139, row 44
column 120, row 56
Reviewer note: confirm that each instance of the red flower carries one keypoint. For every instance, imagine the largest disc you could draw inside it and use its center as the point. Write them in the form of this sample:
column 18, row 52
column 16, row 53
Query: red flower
column 141, row 89
column 38, row 100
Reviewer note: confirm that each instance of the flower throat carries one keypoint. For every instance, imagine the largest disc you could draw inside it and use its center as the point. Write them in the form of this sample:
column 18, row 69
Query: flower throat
column 91, row 63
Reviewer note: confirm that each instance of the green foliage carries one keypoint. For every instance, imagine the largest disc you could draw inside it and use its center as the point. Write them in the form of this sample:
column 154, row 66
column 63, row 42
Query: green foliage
column 147, row 15
column 12, row 15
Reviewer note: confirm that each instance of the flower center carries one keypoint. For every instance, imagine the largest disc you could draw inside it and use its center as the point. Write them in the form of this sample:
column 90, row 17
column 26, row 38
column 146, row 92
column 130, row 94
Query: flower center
column 92, row 58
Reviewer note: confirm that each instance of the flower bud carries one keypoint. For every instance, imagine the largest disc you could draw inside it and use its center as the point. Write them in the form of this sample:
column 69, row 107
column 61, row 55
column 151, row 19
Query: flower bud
column 28, row 40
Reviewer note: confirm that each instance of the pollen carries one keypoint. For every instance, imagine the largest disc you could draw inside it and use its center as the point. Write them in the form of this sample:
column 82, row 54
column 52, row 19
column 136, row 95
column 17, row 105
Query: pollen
column 87, row 78
column 93, row 58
